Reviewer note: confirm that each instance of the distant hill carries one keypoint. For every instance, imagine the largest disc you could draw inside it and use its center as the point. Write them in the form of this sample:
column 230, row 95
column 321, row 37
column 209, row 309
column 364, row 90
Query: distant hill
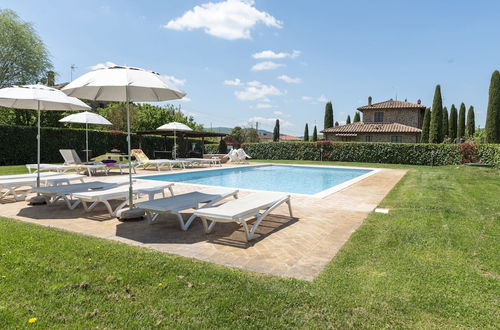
column 227, row 130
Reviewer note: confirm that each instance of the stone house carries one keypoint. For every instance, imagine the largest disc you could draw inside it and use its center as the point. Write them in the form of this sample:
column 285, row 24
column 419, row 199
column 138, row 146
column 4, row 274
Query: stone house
column 389, row 121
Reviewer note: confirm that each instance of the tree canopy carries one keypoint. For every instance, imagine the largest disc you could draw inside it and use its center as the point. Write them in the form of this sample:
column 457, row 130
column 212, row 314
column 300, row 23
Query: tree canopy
column 425, row 126
column 452, row 124
column 436, row 127
column 493, row 115
column 461, row 122
column 445, row 122
column 328, row 121
column 357, row 117
column 276, row 131
column 470, row 127
column 315, row 134
column 306, row 133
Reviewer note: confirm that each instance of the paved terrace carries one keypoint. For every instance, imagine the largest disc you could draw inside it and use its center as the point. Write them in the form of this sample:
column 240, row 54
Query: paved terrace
column 300, row 247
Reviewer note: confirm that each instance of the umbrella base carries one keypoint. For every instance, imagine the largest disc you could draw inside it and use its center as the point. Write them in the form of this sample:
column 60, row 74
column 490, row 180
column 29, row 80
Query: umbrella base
column 130, row 214
column 37, row 200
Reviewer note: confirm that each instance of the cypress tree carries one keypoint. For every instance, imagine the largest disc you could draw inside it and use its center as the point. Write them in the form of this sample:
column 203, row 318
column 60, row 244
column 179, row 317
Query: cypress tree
column 348, row 120
column 315, row 134
column 470, row 128
column 445, row 122
column 328, row 121
column 493, row 115
column 452, row 125
column 336, row 123
column 425, row 126
column 461, row 122
column 357, row 117
column 436, row 127
column 276, row 131
column 306, row 133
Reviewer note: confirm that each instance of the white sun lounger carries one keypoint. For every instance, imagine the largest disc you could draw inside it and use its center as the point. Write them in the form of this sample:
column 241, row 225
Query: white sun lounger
column 210, row 161
column 50, row 167
column 54, row 193
column 192, row 200
column 22, row 176
column 11, row 186
column 71, row 158
column 141, row 159
column 257, row 205
column 121, row 193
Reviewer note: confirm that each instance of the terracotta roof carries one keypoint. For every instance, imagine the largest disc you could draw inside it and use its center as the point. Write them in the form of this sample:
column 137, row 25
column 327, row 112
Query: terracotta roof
column 392, row 104
column 346, row 134
column 289, row 138
column 361, row 127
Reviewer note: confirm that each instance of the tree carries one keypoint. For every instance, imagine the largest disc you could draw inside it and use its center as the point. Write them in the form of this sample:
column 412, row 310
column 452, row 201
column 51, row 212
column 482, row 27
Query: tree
column 336, row 123
column 452, row 124
column 315, row 134
column 328, row 122
column 306, row 133
column 493, row 115
column 470, row 128
column 357, row 117
column 24, row 59
column 425, row 126
column 445, row 122
column 250, row 135
column 238, row 135
column 461, row 122
column 436, row 127
column 348, row 120
column 276, row 131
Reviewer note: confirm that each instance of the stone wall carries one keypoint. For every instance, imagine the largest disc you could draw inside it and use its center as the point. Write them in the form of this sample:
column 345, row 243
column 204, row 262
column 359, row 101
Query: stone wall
column 411, row 117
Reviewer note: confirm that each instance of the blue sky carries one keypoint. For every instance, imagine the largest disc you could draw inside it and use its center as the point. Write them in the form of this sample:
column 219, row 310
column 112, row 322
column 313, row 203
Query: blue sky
column 247, row 61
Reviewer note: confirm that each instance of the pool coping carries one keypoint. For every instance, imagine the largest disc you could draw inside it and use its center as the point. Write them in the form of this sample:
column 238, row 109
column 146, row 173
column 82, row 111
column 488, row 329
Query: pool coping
column 320, row 195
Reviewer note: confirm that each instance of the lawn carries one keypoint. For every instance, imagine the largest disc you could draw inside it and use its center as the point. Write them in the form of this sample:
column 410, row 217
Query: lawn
column 432, row 262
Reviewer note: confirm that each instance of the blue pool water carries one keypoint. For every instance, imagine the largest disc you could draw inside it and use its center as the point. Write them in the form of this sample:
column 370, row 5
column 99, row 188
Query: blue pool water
column 292, row 179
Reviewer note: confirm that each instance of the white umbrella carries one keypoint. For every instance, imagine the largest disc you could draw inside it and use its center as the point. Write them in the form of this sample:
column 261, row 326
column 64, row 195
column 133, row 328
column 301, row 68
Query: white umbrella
column 174, row 126
column 123, row 84
column 86, row 118
column 39, row 97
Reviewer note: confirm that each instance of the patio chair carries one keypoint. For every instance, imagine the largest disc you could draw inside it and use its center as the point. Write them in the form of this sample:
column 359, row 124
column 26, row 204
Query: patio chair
column 144, row 161
column 257, row 205
column 121, row 193
column 50, row 167
column 54, row 193
column 242, row 156
column 175, row 204
column 12, row 186
column 71, row 158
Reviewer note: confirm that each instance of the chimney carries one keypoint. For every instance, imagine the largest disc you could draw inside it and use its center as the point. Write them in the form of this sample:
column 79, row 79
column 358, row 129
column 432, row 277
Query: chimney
column 369, row 100
column 419, row 102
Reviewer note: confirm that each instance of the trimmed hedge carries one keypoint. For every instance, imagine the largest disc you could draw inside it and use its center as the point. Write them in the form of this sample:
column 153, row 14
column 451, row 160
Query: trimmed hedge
column 489, row 154
column 211, row 148
column 396, row 153
column 18, row 143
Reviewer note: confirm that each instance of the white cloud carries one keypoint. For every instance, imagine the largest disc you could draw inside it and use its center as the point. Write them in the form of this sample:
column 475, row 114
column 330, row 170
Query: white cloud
column 266, row 65
column 175, row 81
column 269, row 121
column 273, row 55
column 230, row 19
column 289, row 80
column 321, row 99
column 104, row 65
column 256, row 90
column 278, row 113
column 235, row 82
column 263, row 106
column 184, row 99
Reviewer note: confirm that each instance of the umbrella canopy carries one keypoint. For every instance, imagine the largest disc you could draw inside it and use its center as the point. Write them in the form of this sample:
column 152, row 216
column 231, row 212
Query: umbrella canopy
column 123, row 84
column 86, row 118
column 174, row 126
column 39, row 97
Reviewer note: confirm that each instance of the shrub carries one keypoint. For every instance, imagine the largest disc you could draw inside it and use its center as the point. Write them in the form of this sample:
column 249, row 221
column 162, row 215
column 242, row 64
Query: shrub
column 489, row 154
column 469, row 152
column 212, row 148
column 397, row 153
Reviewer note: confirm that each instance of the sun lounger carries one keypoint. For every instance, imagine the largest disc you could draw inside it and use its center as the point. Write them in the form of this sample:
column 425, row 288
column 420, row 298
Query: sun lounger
column 201, row 161
column 121, row 193
column 54, row 193
column 50, row 167
column 142, row 160
column 11, row 186
column 257, row 205
column 175, row 204
column 22, row 176
column 71, row 158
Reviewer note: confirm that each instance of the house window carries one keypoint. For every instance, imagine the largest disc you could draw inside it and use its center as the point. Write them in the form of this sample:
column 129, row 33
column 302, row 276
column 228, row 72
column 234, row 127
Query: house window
column 346, row 138
column 368, row 138
column 379, row 117
column 396, row 139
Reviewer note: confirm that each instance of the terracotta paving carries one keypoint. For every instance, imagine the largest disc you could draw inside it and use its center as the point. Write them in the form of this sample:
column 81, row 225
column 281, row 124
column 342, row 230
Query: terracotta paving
column 298, row 247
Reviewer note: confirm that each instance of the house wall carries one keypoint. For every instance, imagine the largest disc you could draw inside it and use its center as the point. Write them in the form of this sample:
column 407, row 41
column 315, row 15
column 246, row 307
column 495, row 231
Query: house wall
column 377, row 137
column 410, row 116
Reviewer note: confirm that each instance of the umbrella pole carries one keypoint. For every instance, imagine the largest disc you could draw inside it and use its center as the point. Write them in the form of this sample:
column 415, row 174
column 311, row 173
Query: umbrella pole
column 174, row 154
column 130, row 199
column 87, row 140
column 38, row 150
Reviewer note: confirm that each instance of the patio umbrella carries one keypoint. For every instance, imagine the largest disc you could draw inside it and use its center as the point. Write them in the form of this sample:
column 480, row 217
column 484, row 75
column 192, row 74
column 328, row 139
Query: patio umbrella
column 123, row 84
column 86, row 118
column 175, row 127
column 39, row 97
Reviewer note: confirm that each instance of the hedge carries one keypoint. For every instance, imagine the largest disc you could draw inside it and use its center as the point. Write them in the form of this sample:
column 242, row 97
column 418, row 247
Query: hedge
column 18, row 143
column 396, row 153
column 489, row 154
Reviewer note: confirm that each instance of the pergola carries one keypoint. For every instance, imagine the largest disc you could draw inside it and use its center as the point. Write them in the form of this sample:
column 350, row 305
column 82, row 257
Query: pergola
column 190, row 134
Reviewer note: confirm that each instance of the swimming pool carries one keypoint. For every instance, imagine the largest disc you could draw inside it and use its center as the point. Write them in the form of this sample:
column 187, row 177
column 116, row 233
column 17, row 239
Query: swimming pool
column 309, row 180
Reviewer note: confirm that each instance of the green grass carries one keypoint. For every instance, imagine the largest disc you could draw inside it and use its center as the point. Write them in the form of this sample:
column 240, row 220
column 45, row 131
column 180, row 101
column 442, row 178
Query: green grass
column 432, row 262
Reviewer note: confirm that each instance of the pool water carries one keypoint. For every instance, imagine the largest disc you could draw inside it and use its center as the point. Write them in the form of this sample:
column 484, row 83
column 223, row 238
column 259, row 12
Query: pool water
column 309, row 180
